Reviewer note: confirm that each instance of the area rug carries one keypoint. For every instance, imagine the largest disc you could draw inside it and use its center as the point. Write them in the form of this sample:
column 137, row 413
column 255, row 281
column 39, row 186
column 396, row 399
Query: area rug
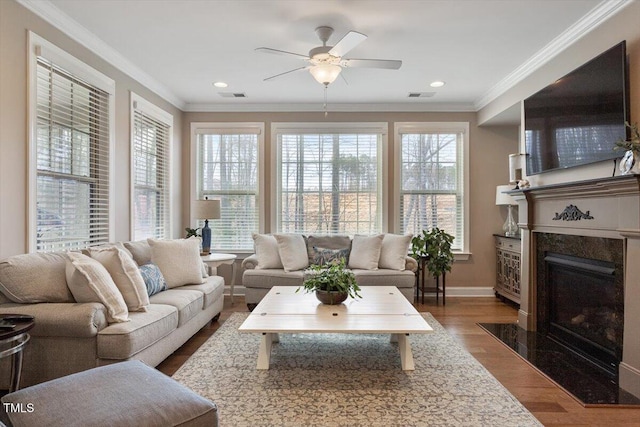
column 348, row 380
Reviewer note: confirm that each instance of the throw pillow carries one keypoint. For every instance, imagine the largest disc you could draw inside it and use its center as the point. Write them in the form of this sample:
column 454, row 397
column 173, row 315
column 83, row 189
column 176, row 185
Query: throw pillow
column 125, row 274
column 179, row 261
column 323, row 256
column 293, row 251
column 140, row 251
column 266, row 248
column 153, row 278
column 328, row 241
column 394, row 250
column 365, row 252
column 89, row 281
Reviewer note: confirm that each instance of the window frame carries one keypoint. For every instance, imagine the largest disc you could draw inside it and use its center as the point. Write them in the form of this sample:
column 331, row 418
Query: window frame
column 431, row 127
column 38, row 46
column 228, row 127
column 330, row 127
column 138, row 103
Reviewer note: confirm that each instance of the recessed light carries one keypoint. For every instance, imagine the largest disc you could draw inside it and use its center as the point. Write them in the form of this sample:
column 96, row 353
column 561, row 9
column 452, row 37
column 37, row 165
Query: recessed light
column 220, row 84
column 437, row 83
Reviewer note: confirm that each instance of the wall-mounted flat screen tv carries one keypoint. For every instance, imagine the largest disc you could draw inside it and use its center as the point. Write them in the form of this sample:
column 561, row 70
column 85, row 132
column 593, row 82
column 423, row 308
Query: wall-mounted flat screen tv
column 577, row 119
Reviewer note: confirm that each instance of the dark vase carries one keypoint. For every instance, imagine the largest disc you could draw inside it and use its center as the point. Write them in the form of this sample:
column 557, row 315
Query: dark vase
column 331, row 297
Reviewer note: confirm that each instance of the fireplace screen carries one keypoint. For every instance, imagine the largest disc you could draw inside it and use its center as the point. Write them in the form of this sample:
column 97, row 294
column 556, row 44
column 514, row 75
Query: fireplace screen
column 583, row 313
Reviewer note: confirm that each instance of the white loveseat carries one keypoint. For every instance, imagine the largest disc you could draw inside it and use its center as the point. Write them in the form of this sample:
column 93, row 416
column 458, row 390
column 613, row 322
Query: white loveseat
column 71, row 336
column 281, row 260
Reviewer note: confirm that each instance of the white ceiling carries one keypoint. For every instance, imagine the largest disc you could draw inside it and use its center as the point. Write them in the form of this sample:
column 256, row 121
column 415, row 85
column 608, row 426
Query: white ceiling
column 179, row 48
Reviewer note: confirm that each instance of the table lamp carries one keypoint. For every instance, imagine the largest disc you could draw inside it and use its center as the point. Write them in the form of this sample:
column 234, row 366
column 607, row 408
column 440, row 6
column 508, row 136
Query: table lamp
column 206, row 209
column 510, row 226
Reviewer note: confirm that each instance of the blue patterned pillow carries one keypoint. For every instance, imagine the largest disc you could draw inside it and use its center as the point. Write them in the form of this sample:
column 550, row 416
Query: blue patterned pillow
column 153, row 278
column 322, row 256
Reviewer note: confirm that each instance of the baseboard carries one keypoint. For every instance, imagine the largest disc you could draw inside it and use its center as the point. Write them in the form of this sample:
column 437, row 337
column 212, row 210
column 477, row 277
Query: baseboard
column 457, row 291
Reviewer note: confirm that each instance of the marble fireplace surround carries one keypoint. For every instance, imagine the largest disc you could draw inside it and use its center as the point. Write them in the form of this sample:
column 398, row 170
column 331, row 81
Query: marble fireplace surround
column 605, row 207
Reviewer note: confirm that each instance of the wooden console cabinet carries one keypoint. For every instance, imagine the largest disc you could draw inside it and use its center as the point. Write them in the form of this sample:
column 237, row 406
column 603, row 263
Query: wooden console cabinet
column 508, row 256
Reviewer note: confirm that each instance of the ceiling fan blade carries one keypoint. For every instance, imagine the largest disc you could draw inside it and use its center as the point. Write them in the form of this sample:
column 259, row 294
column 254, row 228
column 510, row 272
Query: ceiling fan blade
column 348, row 42
column 388, row 64
column 280, row 52
column 286, row 72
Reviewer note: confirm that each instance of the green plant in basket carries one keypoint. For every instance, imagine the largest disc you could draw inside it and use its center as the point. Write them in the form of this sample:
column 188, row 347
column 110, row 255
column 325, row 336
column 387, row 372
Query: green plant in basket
column 334, row 277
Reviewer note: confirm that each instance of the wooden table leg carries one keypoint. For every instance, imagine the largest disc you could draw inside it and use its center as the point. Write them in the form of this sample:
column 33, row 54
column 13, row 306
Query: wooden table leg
column 406, row 356
column 264, row 353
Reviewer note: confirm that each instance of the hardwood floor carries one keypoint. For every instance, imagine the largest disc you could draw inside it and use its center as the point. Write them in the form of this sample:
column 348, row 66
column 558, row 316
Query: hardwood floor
column 550, row 404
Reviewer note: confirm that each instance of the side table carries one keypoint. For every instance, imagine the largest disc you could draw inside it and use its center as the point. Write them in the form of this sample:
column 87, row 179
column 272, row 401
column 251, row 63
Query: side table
column 214, row 260
column 12, row 342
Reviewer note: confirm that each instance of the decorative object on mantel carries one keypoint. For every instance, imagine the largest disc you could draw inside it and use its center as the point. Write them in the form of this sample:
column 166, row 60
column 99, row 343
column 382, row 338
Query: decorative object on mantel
column 332, row 284
column 630, row 163
column 515, row 169
column 206, row 209
column 510, row 227
column 523, row 183
column 572, row 213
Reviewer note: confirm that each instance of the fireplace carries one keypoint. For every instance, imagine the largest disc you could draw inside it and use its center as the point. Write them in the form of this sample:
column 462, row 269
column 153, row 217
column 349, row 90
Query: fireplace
column 581, row 295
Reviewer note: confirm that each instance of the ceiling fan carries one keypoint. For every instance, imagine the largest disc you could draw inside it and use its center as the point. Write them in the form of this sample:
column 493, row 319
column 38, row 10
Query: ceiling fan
column 326, row 62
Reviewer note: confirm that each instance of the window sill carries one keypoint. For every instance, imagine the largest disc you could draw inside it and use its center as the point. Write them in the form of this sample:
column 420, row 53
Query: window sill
column 461, row 256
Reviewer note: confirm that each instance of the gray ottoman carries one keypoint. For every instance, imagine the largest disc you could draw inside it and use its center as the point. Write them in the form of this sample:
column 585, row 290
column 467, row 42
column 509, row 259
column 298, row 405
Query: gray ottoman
column 123, row 394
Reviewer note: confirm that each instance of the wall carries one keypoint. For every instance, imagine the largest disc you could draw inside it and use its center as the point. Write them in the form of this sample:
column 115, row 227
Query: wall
column 622, row 26
column 489, row 149
column 15, row 21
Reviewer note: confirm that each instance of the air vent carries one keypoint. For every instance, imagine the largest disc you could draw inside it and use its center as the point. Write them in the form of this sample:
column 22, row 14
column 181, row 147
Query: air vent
column 421, row 94
column 232, row 95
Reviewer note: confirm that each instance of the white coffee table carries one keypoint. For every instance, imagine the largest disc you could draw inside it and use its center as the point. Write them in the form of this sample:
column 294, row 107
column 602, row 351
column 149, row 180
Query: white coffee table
column 215, row 260
column 381, row 310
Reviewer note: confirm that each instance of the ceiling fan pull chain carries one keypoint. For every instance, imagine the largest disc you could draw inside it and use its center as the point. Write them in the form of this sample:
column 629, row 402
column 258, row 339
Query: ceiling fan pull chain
column 326, row 113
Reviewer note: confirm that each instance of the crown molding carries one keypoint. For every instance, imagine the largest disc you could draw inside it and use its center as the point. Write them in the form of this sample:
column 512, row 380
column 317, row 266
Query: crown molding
column 331, row 108
column 63, row 22
column 585, row 25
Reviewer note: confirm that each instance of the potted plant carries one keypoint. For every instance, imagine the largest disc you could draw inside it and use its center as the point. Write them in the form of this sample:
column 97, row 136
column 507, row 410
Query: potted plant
column 434, row 247
column 332, row 283
column 630, row 162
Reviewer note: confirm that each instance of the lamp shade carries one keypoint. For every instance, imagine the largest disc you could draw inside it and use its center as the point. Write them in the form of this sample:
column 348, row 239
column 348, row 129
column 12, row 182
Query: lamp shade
column 207, row 209
column 325, row 73
column 503, row 199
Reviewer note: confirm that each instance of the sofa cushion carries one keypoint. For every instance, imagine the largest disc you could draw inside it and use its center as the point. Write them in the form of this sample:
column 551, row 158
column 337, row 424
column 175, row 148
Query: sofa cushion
column 337, row 241
column 188, row 302
column 293, row 251
column 153, row 279
column 273, row 277
column 365, row 251
column 179, row 260
column 385, row 277
column 121, row 341
column 32, row 278
column 266, row 248
column 89, row 281
column 393, row 253
column 125, row 274
column 212, row 288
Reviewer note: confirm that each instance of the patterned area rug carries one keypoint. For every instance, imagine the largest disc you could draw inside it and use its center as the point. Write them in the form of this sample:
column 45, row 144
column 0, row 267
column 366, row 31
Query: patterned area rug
column 348, row 380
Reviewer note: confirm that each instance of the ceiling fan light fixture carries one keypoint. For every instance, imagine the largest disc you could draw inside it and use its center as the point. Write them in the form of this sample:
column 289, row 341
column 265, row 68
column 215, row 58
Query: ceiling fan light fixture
column 325, row 73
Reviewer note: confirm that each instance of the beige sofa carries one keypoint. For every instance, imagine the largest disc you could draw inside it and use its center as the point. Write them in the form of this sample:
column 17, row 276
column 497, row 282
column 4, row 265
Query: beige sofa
column 69, row 337
column 261, row 270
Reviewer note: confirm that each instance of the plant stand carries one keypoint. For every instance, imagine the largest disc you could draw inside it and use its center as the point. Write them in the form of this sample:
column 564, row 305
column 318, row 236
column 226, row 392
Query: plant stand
column 421, row 273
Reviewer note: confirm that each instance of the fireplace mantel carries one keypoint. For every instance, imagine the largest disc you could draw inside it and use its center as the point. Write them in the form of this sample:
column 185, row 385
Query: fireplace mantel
column 607, row 207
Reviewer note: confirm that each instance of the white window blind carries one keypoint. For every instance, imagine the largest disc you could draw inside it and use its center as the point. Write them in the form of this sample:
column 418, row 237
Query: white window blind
column 228, row 170
column 72, row 160
column 151, row 206
column 432, row 182
column 329, row 181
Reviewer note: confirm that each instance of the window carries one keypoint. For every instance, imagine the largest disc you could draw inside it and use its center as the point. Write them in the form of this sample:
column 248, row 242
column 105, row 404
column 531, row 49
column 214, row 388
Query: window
column 70, row 153
column 227, row 158
column 431, row 178
column 329, row 177
column 151, row 130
